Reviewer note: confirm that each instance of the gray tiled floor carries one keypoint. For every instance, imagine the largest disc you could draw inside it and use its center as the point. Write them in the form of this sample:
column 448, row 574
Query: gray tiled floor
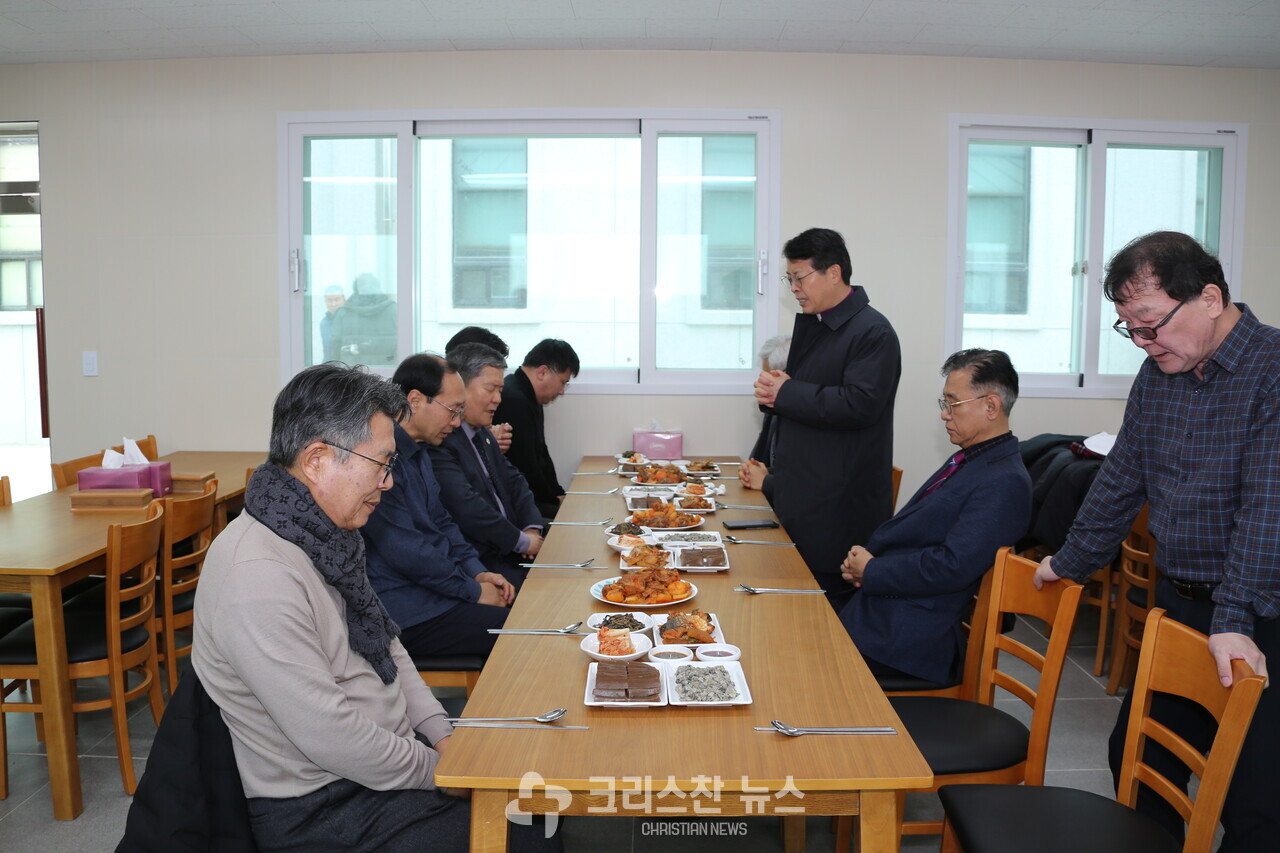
column 1077, row 757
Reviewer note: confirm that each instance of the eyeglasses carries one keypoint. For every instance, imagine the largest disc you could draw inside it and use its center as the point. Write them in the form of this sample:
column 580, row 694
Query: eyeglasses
column 945, row 405
column 453, row 413
column 385, row 466
column 1147, row 333
column 789, row 281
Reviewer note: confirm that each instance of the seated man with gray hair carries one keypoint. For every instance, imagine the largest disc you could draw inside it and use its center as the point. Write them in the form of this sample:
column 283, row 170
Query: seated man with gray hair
column 335, row 736
column 919, row 570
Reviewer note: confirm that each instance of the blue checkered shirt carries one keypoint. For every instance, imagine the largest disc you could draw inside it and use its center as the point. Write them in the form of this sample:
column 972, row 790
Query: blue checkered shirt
column 1206, row 455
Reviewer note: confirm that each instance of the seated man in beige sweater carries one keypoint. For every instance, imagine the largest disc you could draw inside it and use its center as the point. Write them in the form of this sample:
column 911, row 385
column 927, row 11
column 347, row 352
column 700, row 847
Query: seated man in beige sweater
column 335, row 735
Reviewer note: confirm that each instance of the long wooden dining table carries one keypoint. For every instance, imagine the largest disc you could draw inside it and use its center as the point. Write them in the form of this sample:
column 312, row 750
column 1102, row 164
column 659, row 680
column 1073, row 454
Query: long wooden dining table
column 44, row 547
column 799, row 664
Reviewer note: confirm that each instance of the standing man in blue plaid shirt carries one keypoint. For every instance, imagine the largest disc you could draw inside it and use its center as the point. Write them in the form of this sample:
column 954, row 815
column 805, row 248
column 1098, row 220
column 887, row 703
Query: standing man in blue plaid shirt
column 1200, row 443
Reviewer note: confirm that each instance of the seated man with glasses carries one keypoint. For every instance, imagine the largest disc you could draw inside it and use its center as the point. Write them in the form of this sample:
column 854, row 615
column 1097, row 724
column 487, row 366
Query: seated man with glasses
column 918, row 571
column 429, row 578
column 486, row 495
column 336, row 738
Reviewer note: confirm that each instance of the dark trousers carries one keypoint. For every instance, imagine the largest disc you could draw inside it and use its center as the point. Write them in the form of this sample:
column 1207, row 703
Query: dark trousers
column 1251, row 814
column 345, row 816
column 461, row 630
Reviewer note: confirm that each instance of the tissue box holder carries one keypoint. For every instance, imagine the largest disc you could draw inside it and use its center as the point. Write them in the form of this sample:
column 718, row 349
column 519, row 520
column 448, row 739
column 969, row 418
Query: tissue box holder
column 658, row 445
column 156, row 476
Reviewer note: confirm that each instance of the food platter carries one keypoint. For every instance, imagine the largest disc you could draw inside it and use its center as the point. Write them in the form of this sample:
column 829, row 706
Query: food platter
column 682, row 555
column 597, row 592
column 717, row 635
column 680, row 504
column 675, row 539
column 612, row 542
column 709, row 489
column 589, row 696
column 701, row 521
column 671, row 673
column 595, row 619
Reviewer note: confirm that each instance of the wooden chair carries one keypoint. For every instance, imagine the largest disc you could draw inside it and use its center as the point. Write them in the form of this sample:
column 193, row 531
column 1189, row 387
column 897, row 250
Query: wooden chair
column 450, row 670
column 995, row 746
column 897, row 482
column 64, row 473
column 146, row 445
column 1134, row 600
column 1175, row 659
column 109, row 642
column 6, row 494
column 188, row 526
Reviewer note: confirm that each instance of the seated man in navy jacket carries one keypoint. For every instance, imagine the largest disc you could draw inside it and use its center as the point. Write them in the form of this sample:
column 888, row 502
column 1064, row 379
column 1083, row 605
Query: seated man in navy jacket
column 919, row 570
column 430, row 580
column 486, row 495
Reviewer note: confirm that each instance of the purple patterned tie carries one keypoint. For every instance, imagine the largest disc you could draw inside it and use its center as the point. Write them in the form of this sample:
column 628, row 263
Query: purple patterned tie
column 953, row 465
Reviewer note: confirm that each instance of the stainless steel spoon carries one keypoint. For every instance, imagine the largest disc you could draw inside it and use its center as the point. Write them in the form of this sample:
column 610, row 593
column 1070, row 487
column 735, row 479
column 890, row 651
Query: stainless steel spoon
column 610, row 492
column 586, row 473
column 604, row 523
column 581, row 565
column 793, row 731
column 766, row 508
column 742, row 587
column 548, row 717
column 567, row 629
column 736, row 541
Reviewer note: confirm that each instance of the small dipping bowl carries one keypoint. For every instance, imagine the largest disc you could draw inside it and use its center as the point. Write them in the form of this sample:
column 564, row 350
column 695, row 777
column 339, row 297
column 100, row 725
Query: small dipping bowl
column 718, row 652
column 670, row 654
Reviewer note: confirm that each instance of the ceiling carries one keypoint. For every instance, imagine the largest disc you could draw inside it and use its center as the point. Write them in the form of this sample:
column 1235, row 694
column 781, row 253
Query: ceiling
column 1222, row 33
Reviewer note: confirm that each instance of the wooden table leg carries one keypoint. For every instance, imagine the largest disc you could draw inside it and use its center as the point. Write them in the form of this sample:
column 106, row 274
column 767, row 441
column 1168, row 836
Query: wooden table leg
column 879, row 822
column 56, row 696
column 489, row 821
column 793, row 840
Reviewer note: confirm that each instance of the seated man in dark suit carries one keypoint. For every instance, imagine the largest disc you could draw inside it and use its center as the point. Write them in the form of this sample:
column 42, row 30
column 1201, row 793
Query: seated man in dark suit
column 486, row 495
column 542, row 378
column 428, row 576
column 918, row 571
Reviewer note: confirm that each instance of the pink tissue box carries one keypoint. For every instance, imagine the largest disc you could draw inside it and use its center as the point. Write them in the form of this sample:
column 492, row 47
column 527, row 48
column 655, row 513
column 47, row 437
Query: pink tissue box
column 658, row 445
column 156, row 476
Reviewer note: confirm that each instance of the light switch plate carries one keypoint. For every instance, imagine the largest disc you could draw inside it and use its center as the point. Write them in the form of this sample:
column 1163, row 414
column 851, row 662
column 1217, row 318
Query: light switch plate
column 89, row 363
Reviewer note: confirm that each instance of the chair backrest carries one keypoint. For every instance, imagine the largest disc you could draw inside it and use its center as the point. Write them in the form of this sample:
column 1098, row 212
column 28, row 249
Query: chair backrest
column 133, row 552
column 6, row 494
column 186, row 519
column 1138, row 570
column 897, row 482
column 1175, row 659
column 146, row 445
column 64, row 473
column 1055, row 605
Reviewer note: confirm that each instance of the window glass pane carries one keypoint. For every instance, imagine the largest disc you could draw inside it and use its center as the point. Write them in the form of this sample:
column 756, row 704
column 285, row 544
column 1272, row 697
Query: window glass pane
column 706, row 251
column 1023, row 237
column 20, row 284
column 349, row 249
column 1155, row 189
column 532, row 237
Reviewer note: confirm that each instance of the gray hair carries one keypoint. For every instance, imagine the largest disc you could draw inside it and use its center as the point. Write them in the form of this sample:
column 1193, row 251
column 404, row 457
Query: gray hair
column 991, row 373
column 470, row 360
column 330, row 402
column 775, row 351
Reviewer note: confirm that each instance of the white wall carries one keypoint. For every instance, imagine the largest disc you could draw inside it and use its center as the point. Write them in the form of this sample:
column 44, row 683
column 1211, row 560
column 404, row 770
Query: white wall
column 160, row 221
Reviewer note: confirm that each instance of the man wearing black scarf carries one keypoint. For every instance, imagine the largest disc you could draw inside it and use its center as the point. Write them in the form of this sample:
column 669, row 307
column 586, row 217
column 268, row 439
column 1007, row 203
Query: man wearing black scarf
column 336, row 738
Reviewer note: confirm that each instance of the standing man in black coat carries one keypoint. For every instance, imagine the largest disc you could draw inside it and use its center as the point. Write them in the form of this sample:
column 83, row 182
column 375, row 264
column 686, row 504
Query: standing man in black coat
column 542, row 378
column 831, row 481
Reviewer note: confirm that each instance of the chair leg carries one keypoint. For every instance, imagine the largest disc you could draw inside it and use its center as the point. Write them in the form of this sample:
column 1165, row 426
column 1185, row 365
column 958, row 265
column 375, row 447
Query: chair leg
column 1119, row 656
column 950, row 844
column 120, row 722
column 168, row 642
column 1106, row 587
column 4, row 756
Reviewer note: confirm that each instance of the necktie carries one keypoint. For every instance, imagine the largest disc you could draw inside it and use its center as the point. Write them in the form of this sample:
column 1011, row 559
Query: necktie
column 480, row 441
column 953, row 465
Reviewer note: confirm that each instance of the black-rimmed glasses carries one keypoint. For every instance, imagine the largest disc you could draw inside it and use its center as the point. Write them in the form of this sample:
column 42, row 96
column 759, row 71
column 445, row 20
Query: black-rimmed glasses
column 385, row 466
column 1146, row 333
column 789, row 281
